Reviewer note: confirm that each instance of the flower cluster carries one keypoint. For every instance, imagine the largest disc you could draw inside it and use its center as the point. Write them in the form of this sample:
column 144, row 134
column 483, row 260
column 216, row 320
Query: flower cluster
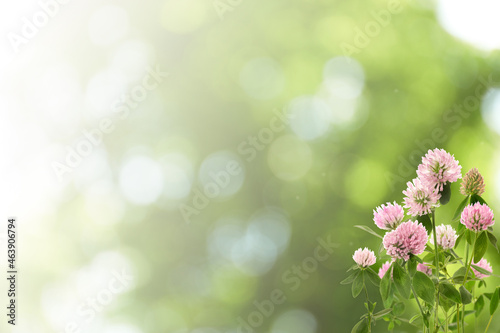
column 477, row 217
column 409, row 238
column 388, row 216
column 405, row 240
column 420, row 198
column 364, row 257
column 473, row 183
column 446, row 236
column 438, row 167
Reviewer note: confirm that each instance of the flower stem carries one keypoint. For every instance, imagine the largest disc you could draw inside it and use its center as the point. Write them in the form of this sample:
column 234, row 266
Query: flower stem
column 369, row 310
column 418, row 303
column 474, row 298
column 486, row 330
column 446, row 327
column 469, row 263
column 436, row 263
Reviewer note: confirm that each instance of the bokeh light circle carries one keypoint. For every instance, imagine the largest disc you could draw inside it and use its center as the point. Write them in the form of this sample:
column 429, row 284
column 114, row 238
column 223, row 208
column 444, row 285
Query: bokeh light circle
column 481, row 16
column 344, row 77
column 221, row 174
column 310, row 117
column 490, row 109
column 141, row 180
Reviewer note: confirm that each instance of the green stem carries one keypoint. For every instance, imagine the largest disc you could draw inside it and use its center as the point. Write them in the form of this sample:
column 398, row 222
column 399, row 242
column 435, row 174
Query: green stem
column 474, row 298
column 470, row 261
column 458, row 318
column 369, row 310
column 436, row 263
column 418, row 303
column 446, row 327
column 486, row 330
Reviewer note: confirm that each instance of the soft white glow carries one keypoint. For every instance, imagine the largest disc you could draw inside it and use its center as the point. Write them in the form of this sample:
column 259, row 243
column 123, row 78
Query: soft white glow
column 131, row 58
column 344, row 77
column 102, row 204
column 221, row 174
column 104, row 90
column 490, row 109
column 310, row 117
column 141, row 180
column 55, row 95
column 475, row 22
column 108, row 24
column 252, row 249
column 121, row 328
column 254, row 253
column 178, row 172
column 273, row 224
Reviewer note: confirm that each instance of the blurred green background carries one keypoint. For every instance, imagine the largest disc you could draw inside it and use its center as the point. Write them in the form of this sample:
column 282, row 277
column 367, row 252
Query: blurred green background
column 280, row 126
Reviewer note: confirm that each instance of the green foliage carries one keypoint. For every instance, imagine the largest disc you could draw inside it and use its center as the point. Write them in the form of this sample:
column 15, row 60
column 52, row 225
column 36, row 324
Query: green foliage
column 493, row 240
column 459, row 210
column 479, row 305
column 424, row 287
column 412, row 265
column 372, row 276
column 476, row 198
column 368, row 230
column 465, row 295
column 480, row 246
column 350, row 279
column 361, row 326
column 481, row 270
column 449, row 291
column 386, row 291
column 494, row 301
column 402, row 281
column 426, row 222
column 445, row 194
column 358, row 284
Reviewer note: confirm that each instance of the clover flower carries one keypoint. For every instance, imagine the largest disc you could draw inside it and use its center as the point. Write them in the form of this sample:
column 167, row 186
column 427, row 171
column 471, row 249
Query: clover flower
column 473, row 183
column 388, row 216
column 408, row 238
column 437, row 168
column 364, row 257
column 446, row 236
column 420, row 198
column 477, row 217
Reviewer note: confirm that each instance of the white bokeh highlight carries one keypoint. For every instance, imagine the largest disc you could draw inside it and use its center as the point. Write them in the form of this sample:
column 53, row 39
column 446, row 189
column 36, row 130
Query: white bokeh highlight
column 475, row 22
column 141, row 180
column 490, row 109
